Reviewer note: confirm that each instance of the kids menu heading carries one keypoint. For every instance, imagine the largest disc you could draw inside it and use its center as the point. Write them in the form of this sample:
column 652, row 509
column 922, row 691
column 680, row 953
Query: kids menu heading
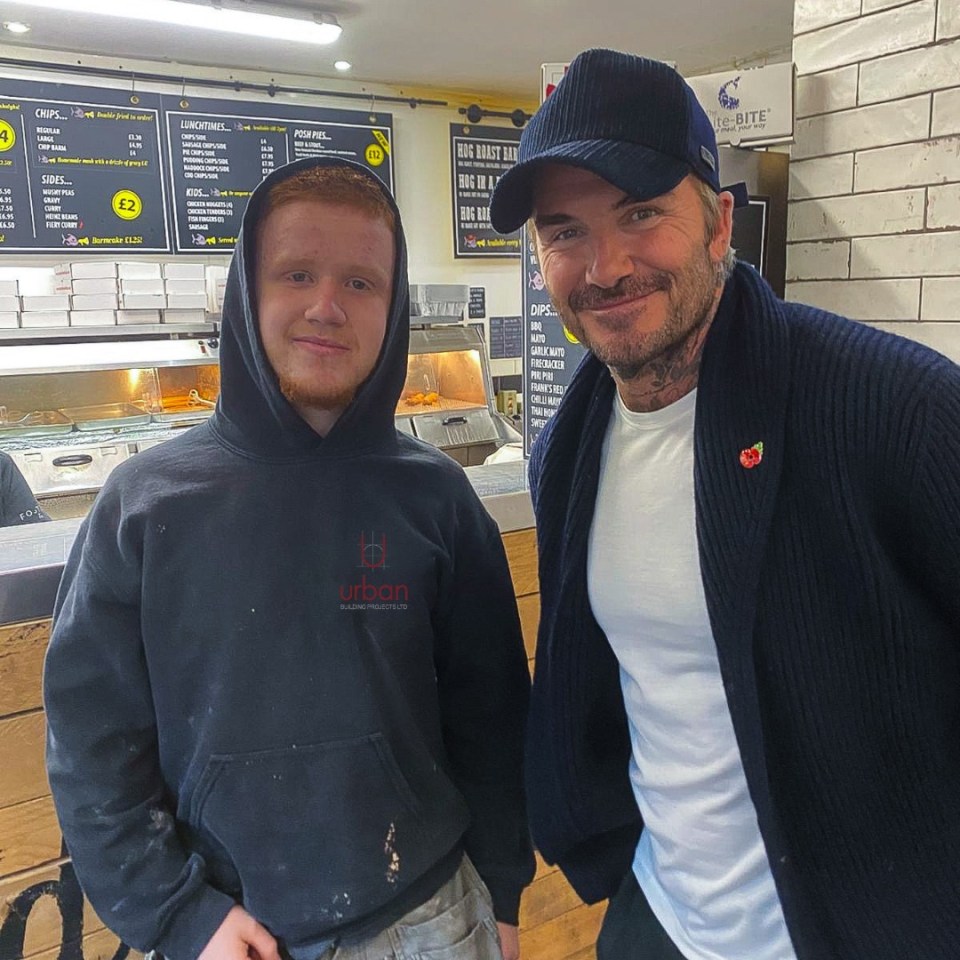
column 90, row 169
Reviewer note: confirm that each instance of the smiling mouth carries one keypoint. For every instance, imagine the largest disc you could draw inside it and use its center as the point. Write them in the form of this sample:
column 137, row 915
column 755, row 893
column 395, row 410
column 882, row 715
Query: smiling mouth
column 320, row 345
column 621, row 302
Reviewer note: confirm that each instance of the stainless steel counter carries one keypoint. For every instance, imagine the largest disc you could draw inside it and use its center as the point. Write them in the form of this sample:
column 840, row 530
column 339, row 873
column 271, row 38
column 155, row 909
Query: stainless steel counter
column 32, row 556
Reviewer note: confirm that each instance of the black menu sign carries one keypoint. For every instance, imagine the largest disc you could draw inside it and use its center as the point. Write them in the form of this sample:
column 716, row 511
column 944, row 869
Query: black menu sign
column 550, row 353
column 221, row 149
column 477, row 305
column 478, row 158
column 506, row 337
column 80, row 170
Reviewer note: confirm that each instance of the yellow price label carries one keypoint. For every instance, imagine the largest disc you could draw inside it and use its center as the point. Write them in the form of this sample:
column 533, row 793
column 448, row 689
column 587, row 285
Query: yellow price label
column 126, row 205
column 375, row 155
column 8, row 136
column 381, row 138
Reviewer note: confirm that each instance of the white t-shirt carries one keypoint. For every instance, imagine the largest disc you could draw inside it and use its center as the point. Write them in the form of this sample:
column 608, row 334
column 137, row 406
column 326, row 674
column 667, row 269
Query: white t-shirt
column 700, row 861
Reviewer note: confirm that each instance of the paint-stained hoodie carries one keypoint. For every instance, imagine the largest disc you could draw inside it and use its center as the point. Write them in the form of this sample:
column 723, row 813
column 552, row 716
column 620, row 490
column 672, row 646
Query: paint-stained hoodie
column 286, row 671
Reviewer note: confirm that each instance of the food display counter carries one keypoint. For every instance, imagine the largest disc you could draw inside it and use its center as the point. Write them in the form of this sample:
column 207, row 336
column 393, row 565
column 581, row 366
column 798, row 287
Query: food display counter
column 72, row 411
column 448, row 399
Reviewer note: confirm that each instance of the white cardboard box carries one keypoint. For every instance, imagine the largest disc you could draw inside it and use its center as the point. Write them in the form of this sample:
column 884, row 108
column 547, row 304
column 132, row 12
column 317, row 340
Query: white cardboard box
column 45, row 318
column 184, row 316
column 9, row 288
column 187, row 286
column 9, row 304
column 9, row 320
column 139, row 270
column 143, row 301
column 138, row 316
column 95, row 301
column 62, row 284
column 142, row 287
column 187, row 301
column 87, row 270
column 184, row 271
column 93, row 318
column 57, row 301
column 96, row 286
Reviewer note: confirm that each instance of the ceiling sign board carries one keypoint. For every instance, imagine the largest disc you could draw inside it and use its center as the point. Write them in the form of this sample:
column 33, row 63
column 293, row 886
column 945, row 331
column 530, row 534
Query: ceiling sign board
column 749, row 106
column 221, row 149
column 80, row 170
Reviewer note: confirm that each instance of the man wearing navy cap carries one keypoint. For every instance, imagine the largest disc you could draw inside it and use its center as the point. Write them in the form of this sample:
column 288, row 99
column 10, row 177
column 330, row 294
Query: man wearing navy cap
column 745, row 718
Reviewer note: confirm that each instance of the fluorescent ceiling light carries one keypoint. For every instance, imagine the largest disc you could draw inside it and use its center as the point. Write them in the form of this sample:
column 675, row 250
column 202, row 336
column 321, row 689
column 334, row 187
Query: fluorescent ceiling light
column 343, row 64
column 15, row 26
column 322, row 28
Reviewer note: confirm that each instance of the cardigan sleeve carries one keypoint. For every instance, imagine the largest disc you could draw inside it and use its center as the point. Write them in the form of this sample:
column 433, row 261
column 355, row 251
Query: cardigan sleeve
column 935, row 501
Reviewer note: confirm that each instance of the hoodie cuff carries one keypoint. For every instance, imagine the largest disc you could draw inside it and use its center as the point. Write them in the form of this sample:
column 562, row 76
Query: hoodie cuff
column 506, row 900
column 194, row 923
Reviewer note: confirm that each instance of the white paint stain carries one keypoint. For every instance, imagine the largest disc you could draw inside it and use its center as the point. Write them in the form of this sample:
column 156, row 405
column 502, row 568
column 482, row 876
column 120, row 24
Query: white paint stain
column 393, row 858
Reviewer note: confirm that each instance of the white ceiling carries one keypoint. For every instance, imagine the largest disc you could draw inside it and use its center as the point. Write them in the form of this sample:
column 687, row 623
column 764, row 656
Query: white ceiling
column 475, row 46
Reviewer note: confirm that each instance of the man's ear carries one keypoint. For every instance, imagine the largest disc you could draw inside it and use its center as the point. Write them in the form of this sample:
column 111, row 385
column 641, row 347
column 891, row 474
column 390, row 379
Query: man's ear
column 724, row 231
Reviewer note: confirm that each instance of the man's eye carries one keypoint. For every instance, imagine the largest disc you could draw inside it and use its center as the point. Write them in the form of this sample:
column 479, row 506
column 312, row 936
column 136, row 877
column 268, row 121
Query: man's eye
column 357, row 284
column 299, row 276
column 643, row 213
column 568, row 233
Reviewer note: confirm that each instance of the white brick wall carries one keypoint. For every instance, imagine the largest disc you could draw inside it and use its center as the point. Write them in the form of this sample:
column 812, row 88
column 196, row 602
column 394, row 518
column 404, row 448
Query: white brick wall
column 948, row 19
column 862, row 299
column 873, row 229
column 943, row 208
column 940, row 298
column 891, row 31
column 917, row 164
column 911, row 255
column 825, row 177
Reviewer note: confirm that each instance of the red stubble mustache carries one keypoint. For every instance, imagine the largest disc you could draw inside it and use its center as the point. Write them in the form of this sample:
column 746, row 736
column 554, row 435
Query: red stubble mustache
column 590, row 297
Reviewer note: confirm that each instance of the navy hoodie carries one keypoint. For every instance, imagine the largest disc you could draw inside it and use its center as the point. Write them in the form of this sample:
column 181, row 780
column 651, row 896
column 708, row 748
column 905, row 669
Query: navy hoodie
column 287, row 671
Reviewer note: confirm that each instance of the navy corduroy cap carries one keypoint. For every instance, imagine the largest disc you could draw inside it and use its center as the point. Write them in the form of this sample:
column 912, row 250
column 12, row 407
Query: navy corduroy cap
column 633, row 121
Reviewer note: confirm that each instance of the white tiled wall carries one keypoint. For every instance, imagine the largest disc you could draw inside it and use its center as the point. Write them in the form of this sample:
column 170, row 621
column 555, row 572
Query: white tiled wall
column 874, row 222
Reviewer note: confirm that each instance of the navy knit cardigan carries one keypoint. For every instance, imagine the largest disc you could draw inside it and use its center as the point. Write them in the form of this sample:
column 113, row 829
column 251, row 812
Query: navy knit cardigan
column 832, row 578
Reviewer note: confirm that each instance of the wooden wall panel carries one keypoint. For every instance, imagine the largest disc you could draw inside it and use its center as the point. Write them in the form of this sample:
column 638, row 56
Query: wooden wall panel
column 29, row 836
column 21, row 759
column 521, row 547
column 22, row 647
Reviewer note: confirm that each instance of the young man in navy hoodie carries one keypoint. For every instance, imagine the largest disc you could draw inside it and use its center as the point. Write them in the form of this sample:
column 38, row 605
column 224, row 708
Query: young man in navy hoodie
column 286, row 684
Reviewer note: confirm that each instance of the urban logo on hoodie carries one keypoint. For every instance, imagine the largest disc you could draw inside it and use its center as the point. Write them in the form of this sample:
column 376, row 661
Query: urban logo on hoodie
column 370, row 590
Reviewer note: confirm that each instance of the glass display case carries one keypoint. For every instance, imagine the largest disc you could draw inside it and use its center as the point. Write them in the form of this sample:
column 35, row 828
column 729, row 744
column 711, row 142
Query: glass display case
column 71, row 412
column 447, row 399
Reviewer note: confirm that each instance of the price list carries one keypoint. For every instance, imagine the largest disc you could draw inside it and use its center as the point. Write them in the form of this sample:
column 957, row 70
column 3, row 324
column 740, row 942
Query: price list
column 219, row 151
column 80, row 169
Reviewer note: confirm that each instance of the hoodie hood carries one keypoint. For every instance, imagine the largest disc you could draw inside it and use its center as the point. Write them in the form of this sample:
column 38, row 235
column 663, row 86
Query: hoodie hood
column 252, row 414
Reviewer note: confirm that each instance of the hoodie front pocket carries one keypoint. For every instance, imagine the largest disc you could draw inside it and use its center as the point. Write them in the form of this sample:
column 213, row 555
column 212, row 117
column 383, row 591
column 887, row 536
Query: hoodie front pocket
column 320, row 834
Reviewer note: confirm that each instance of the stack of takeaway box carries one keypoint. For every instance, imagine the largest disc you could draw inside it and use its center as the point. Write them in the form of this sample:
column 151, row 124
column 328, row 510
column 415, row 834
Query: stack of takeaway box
column 104, row 293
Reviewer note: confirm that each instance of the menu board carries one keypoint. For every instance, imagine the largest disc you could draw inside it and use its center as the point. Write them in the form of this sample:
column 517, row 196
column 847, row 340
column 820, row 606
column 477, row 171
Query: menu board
column 80, row 169
column 551, row 353
column 506, row 337
column 478, row 158
column 221, row 149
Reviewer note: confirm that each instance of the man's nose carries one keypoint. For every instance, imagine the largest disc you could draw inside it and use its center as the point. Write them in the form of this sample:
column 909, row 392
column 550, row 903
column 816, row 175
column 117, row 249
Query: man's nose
column 323, row 304
column 610, row 262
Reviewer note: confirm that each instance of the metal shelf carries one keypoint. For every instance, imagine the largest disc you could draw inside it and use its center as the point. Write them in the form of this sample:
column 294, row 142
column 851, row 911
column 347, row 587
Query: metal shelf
column 116, row 332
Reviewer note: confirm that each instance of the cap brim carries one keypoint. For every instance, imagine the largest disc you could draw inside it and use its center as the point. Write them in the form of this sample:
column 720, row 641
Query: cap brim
column 636, row 170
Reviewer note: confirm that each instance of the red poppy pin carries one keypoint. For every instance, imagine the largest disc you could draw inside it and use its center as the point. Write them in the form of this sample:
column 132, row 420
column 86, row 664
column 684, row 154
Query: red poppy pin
column 750, row 457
